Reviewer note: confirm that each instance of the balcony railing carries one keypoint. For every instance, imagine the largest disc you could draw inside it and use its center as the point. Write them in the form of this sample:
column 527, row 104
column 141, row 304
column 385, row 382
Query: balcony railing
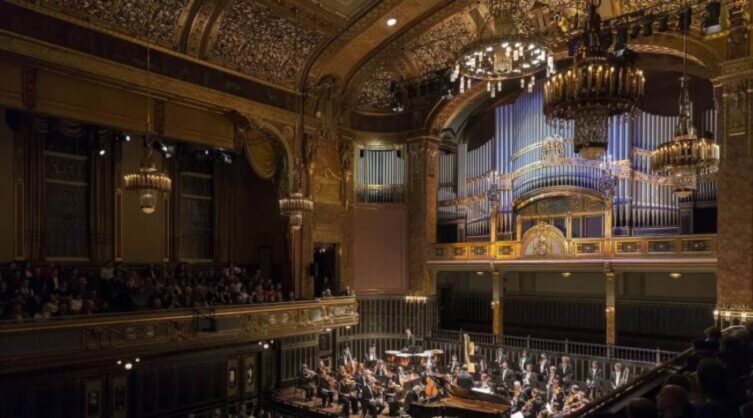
column 86, row 338
column 689, row 246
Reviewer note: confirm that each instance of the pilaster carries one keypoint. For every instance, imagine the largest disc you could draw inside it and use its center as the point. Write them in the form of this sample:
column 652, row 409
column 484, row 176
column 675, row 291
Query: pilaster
column 610, row 279
column 422, row 210
column 497, row 303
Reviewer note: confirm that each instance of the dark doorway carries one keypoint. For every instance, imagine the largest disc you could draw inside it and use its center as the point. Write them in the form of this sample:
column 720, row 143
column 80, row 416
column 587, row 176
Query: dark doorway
column 325, row 269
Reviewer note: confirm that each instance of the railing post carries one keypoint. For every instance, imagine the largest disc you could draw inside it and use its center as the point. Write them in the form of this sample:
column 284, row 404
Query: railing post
column 528, row 342
column 567, row 346
column 658, row 355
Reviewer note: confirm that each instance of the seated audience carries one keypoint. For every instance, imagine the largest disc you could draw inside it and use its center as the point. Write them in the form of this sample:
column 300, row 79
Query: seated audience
column 55, row 291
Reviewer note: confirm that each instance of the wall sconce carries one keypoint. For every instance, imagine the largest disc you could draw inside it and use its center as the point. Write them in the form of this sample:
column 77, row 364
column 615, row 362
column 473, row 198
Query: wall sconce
column 675, row 276
column 566, row 274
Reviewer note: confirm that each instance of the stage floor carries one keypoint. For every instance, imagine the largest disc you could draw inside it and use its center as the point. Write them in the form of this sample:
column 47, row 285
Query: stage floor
column 288, row 394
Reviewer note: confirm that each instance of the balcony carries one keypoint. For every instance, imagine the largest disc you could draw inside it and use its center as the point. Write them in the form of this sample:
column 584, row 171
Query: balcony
column 688, row 249
column 90, row 338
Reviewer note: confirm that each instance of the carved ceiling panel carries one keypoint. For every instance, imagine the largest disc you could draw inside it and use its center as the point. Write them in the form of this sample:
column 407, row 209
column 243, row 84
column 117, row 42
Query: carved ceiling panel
column 255, row 40
column 374, row 92
column 155, row 20
column 439, row 46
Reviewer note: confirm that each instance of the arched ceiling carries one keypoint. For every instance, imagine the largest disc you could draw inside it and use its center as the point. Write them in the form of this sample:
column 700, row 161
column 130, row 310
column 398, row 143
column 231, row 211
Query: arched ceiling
column 293, row 44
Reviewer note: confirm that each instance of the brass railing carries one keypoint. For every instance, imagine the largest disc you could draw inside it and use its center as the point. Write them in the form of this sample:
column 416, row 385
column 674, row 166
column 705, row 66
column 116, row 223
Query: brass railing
column 689, row 246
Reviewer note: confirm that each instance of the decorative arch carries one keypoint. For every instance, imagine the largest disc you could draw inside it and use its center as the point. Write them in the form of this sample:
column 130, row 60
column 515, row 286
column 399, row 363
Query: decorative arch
column 544, row 241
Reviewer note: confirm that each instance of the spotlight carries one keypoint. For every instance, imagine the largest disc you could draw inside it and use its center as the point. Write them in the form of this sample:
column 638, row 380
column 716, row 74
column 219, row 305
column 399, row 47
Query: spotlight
column 663, row 23
column 621, row 43
column 648, row 25
column 206, row 151
column 128, row 366
column 137, row 359
column 635, row 31
column 260, row 343
column 684, row 19
column 566, row 274
column 675, row 276
column 102, row 151
column 119, row 362
column 712, row 24
column 266, row 346
column 391, row 21
column 127, row 138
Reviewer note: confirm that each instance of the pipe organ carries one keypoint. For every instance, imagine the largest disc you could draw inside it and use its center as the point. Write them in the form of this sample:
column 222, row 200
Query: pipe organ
column 528, row 159
column 380, row 174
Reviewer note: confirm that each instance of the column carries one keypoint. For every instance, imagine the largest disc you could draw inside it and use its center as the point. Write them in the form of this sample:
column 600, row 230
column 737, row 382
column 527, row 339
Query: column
column 732, row 93
column 422, row 211
column 497, row 307
column 735, row 186
column 611, row 306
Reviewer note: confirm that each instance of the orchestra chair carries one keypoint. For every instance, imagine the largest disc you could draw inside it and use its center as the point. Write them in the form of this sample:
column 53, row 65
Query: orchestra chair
column 300, row 386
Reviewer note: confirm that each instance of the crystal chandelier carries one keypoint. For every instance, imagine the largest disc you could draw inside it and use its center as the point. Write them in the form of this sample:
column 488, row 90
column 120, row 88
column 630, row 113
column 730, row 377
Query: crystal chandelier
column 596, row 87
column 508, row 51
column 686, row 157
column 147, row 181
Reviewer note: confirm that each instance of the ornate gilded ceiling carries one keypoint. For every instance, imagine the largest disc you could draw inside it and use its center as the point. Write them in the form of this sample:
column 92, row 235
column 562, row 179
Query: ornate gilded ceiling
column 254, row 40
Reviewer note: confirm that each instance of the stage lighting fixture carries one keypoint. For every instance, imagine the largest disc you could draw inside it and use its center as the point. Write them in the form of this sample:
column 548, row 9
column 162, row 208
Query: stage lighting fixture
column 635, row 31
column 663, row 23
column 648, row 25
column 712, row 22
column 684, row 18
column 621, row 43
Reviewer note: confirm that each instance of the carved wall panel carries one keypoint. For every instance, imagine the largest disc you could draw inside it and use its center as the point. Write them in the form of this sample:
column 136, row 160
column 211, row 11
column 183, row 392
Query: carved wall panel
column 255, row 40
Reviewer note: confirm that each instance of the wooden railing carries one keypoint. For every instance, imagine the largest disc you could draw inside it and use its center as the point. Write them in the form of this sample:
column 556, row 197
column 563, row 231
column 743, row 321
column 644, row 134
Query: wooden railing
column 689, row 246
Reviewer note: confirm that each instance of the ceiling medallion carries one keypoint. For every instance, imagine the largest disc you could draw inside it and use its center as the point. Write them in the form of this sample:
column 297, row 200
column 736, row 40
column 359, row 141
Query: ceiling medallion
column 596, row 87
column 686, row 157
column 505, row 50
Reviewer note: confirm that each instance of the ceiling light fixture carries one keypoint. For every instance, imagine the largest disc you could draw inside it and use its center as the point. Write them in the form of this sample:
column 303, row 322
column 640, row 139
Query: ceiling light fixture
column 508, row 51
column 596, row 87
column 391, row 22
column 686, row 157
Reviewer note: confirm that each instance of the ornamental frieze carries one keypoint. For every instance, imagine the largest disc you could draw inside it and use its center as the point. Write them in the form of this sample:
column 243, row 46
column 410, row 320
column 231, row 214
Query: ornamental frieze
column 123, row 336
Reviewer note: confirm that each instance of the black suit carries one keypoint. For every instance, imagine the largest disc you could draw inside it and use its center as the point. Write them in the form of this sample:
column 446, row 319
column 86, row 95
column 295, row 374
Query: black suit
column 507, row 376
column 344, row 397
column 532, row 379
column 566, row 373
column 594, row 380
column 410, row 340
column 410, row 399
column 374, row 405
column 465, row 380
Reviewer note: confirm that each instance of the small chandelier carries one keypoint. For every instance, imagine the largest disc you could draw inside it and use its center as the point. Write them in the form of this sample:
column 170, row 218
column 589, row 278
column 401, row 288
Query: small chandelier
column 293, row 206
column 147, row 181
column 507, row 52
column 686, row 157
column 596, row 87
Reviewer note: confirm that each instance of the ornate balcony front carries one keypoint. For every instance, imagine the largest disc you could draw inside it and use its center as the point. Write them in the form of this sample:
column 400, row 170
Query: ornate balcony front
column 91, row 338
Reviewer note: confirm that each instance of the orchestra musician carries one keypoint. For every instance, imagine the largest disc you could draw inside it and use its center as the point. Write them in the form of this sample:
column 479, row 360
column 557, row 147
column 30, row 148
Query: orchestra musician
column 529, row 377
column 414, row 396
column 347, row 392
column 575, row 400
column 453, row 363
column 551, row 375
column 373, row 397
column 523, row 360
column 325, row 385
column 517, row 396
column 305, row 380
column 346, row 360
column 565, row 371
column 619, row 376
column 594, row 379
column 393, row 392
column 464, row 379
column 499, row 357
column 555, row 394
column 507, row 376
column 410, row 339
column 485, row 383
column 371, row 356
column 533, row 404
column 543, row 367
column 482, row 367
